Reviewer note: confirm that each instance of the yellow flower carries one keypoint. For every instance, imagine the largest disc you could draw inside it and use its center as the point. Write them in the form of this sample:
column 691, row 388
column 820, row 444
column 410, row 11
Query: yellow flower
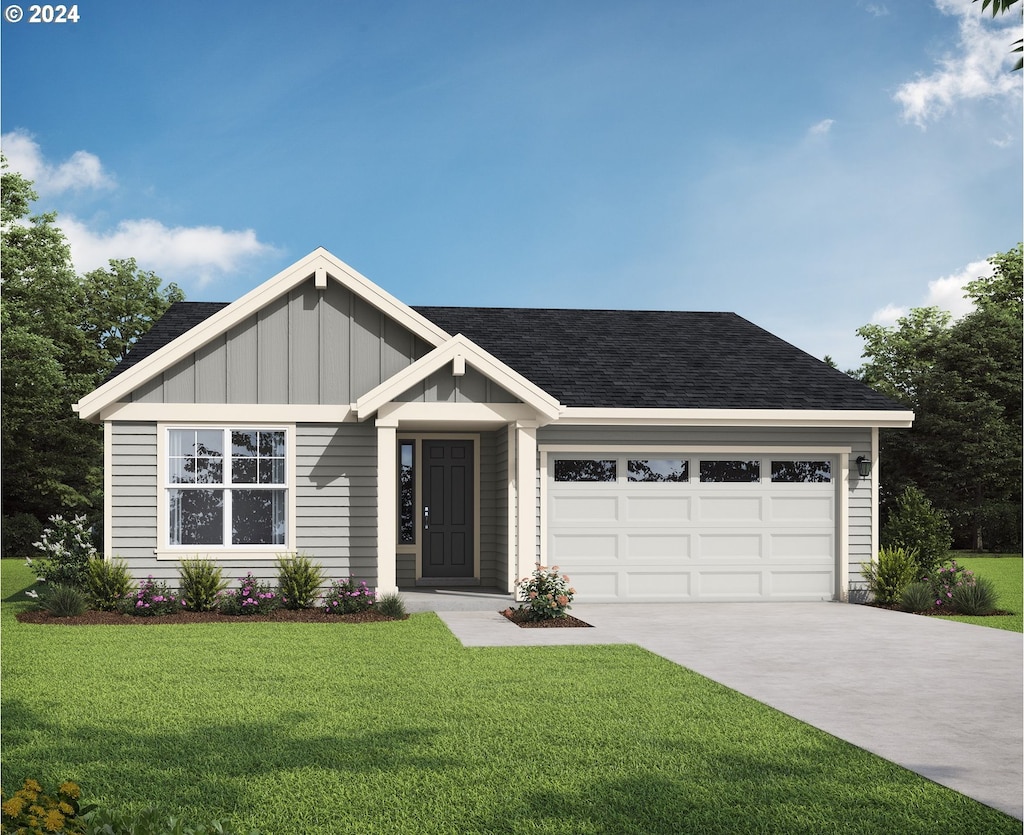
column 13, row 806
column 32, row 785
column 54, row 821
column 37, row 810
column 70, row 789
column 66, row 808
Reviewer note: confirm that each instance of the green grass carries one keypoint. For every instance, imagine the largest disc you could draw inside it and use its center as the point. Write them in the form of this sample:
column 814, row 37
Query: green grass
column 396, row 728
column 1007, row 573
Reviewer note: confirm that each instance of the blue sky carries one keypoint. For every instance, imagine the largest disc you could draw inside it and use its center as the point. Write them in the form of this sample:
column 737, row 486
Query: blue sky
column 811, row 166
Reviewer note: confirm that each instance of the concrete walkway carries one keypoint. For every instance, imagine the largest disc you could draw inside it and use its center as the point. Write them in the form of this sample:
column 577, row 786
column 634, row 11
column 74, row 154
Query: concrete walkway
column 941, row 698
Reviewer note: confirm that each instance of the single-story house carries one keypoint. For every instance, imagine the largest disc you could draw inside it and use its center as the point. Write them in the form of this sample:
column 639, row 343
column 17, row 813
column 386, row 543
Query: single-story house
column 651, row 455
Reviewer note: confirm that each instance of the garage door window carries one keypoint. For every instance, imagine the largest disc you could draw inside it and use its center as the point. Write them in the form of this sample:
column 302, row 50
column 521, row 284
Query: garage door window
column 659, row 469
column 584, row 469
column 801, row 472
column 723, row 471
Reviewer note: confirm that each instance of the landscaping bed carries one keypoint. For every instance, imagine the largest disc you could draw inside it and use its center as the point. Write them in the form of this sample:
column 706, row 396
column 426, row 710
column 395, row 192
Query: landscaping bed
column 94, row 617
column 521, row 617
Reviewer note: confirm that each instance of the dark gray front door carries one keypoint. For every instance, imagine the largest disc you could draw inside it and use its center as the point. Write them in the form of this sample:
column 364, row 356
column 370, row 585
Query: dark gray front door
column 447, row 509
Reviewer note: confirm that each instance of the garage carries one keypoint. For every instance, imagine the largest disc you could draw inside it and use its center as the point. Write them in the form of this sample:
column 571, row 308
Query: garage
column 681, row 525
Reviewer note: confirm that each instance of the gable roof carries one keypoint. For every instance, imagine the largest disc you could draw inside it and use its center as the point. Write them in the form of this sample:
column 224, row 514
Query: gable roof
column 657, row 359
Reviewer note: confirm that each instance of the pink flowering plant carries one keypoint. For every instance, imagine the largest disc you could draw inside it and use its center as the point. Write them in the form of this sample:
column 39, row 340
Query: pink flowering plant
column 946, row 579
column 346, row 597
column 546, row 593
column 153, row 597
column 252, row 597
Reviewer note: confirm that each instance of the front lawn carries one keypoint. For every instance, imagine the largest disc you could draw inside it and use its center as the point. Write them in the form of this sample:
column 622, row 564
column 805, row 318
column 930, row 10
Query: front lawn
column 396, row 728
column 1007, row 573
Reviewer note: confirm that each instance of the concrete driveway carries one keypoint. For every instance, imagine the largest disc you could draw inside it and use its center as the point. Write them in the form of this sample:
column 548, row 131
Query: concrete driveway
column 940, row 698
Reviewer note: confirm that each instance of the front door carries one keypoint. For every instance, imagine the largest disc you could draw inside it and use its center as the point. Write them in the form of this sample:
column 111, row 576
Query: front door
column 448, row 534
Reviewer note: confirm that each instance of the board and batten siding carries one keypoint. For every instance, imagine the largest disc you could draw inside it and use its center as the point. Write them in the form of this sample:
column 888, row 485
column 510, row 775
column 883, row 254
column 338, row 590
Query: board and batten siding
column 494, row 508
column 858, row 439
column 335, row 495
column 308, row 346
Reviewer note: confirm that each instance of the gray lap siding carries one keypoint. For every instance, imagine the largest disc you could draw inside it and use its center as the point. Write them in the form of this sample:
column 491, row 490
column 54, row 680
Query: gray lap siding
column 335, row 503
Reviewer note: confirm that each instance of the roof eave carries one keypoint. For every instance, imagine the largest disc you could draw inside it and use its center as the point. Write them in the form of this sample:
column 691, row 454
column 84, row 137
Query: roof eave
column 895, row 419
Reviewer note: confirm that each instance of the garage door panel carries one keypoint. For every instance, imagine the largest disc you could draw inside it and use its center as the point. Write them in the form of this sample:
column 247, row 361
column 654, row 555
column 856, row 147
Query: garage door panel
column 660, row 585
column 801, row 583
column 731, row 546
column 802, row 509
column 644, row 546
column 658, row 509
column 593, row 508
column 596, row 587
column 801, row 545
column 734, row 509
column 731, row 585
column 583, row 546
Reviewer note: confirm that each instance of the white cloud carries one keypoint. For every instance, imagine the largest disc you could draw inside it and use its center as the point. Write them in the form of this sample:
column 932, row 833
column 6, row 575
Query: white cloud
column 81, row 170
column 822, row 128
column 877, row 9
column 946, row 293
column 888, row 315
column 978, row 68
column 195, row 254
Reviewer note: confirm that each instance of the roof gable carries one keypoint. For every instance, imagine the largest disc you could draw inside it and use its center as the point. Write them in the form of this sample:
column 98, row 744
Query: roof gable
column 185, row 332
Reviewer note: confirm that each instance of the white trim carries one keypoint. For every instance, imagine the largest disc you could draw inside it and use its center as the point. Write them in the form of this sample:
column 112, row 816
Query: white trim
column 700, row 449
column 843, row 523
column 874, row 494
column 165, row 551
column 387, row 507
column 526, row 513
column 456, row 414
column 511, row 522
column 735, row 417
column 90, row 406
column 108, row 491
column 228, row 413
column 459, row 346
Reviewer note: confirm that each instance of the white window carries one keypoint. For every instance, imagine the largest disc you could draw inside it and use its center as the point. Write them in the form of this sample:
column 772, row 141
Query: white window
column 227, row 487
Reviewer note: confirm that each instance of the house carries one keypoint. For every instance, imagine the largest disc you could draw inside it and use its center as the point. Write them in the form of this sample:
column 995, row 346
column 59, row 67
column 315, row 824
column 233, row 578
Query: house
column 653, row 456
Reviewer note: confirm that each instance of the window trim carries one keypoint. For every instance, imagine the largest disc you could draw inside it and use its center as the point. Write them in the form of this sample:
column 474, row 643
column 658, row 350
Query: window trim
column 166, row 551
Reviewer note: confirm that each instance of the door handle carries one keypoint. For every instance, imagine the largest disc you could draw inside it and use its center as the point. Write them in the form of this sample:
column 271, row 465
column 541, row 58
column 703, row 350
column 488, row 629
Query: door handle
column 426, row 518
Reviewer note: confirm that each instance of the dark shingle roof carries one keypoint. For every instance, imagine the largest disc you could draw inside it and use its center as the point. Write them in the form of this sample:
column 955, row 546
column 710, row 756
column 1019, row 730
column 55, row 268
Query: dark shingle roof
column 177, row 319
column 622, row 358
column 656, row 359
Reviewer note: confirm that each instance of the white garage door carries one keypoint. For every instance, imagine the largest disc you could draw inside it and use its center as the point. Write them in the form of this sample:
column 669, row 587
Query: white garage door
column 693, row 526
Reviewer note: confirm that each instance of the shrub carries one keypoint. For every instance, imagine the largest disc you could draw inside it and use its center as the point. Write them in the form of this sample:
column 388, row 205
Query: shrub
column 109, row 583
column 895, row 569
column 346, row 598
column 298, row 580
column 252, row 597
column 391, row 605
column 914, row 524
column 917, row 597
column 63, row 601
column 946, row 579
column 202, row 585
column 31, row 810
column 67, row 548
column 978, row 598
column 547, row 593
column 150, row 599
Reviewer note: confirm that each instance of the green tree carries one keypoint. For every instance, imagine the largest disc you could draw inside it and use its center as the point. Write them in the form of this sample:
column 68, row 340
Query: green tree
column 963, row 381
column 61, row 335
column 1001, row 7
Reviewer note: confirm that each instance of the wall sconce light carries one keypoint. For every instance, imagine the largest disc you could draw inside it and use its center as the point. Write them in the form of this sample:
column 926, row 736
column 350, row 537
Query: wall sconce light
column 863, row 466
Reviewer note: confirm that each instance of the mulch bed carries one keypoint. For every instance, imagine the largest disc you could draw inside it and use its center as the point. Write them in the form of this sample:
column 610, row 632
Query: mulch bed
column 520, row 617
column 936, row 613
column 97, row 618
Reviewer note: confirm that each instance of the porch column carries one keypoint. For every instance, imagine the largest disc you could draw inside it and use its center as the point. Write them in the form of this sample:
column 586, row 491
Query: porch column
column 526, row 507
column 387, row 505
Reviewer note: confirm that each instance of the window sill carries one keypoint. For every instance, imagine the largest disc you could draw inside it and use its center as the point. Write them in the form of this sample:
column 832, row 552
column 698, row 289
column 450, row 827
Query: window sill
column 267, row 554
